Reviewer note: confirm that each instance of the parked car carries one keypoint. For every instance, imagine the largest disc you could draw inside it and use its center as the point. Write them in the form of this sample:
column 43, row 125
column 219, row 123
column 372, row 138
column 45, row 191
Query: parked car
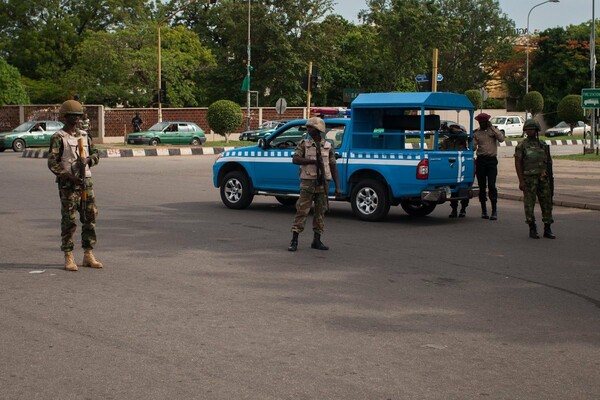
column 169, row 133
column 509, row 125
column 263, row 130
column 562, row 129
column 29, row 134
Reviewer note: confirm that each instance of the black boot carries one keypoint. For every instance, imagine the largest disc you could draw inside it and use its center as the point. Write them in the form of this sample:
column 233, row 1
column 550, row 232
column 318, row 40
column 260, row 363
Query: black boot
column 463, row 212
column 453, row 213
column 294, row 242
column 548, row 232
column 533, row 231
column 317, row 244
column 484, row 213
column 494, row 215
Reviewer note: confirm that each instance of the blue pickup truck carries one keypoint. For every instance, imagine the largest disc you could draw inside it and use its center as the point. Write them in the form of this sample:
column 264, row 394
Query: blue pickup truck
column 377, row 165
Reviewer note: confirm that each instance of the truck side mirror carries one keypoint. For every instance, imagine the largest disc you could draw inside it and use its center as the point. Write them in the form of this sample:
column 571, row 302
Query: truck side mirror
column 261, row 143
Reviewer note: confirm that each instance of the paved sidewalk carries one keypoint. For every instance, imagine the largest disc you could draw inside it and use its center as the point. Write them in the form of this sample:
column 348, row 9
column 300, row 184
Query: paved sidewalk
column 576, row 183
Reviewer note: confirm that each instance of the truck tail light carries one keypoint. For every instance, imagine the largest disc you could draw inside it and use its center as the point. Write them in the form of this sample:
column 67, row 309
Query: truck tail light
column 423, row 169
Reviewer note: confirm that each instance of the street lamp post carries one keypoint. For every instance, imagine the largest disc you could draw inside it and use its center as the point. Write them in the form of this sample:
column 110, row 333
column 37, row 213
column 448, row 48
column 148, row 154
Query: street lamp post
column 527, row 62
column 248, row 69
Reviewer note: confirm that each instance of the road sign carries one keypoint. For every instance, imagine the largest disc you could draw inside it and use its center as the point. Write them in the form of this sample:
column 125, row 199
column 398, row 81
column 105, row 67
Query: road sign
column 280, row 106
column 350, row 94
column 424, row 78
column 590, row 98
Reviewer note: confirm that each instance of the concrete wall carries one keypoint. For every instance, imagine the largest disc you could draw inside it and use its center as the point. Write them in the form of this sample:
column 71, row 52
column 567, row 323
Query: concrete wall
column 109, row 125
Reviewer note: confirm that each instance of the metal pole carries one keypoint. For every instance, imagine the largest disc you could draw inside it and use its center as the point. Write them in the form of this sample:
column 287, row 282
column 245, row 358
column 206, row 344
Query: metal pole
column 308, row 95
column 593, row 69
column 159, row 77
column 248, row 74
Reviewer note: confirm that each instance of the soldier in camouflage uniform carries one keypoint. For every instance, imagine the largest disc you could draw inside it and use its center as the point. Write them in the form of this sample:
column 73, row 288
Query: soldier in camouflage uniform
column 534, row 169
column 310, row 188
column 65, row 162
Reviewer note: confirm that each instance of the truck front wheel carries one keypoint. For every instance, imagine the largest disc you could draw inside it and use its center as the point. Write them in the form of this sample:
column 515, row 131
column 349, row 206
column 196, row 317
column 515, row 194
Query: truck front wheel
column 236, row 191
column 417, row 209
column 370, row 201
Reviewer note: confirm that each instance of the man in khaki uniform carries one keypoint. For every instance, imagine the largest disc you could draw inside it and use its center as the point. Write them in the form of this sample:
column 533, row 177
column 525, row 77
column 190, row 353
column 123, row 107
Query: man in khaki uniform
column 485, row 143
column 316, row 173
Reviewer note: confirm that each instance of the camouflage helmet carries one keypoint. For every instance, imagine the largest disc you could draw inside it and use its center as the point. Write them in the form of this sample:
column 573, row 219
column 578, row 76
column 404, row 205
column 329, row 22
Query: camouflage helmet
column 71, row 107
column 532, row 124
column 316, row 123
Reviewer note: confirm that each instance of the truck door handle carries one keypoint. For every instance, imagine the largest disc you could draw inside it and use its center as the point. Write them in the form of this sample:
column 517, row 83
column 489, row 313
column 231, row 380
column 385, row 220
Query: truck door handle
column 337, row 155
column 452, row 160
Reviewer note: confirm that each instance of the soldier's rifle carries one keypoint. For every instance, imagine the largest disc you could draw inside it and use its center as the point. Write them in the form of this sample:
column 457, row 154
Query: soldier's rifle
column 549, row 169
column 81, row 166
column 320, row 165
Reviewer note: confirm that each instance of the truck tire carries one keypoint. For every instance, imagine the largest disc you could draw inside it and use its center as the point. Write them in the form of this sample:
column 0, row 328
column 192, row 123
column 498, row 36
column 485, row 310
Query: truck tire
column 236, row 191
column 370, row 200
column 417, row 209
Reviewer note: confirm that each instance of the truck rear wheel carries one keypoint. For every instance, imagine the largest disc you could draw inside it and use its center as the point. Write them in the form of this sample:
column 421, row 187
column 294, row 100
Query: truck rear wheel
column 370, row 201
column 236, row 191
column 417, row 209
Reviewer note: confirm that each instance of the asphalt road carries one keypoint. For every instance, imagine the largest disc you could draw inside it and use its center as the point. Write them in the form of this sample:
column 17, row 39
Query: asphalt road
column 197, row 301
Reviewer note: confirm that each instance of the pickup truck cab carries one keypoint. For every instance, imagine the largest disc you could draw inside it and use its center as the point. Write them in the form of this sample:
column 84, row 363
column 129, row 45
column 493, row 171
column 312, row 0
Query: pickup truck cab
column 377, row 166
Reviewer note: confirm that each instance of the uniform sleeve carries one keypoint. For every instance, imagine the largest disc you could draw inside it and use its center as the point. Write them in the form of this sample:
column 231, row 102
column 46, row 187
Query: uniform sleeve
column 519, row 151
column 300, row 149
column 55, row 154
column 499, row 135
column 332, row 159
column 94, row 153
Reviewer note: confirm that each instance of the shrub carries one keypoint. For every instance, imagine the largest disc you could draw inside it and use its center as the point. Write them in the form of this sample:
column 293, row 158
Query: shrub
column 224, row 116
column 475, row 96
column 533, row 102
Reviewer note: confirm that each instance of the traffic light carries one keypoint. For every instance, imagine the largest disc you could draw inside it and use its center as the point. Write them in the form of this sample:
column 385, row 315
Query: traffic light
column 429, row 83
column 163, row 91
column 315, row 79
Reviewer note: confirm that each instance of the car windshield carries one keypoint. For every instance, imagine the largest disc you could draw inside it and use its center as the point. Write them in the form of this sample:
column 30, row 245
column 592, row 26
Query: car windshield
column 498, row 120
column 24, row 127
column 562, row 124
column 159, row 126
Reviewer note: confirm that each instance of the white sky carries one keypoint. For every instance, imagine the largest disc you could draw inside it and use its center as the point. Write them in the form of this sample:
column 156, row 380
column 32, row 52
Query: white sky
column 549, row 15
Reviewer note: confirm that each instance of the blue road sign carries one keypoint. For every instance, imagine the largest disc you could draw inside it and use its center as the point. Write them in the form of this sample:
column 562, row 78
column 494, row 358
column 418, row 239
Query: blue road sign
column 423, row 78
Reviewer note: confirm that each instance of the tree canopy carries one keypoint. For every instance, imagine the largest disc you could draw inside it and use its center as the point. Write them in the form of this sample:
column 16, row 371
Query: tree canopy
column 107, row 50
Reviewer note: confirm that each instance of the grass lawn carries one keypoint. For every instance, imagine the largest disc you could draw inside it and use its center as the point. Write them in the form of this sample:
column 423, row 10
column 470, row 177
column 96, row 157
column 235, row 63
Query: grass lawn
column 579, row 157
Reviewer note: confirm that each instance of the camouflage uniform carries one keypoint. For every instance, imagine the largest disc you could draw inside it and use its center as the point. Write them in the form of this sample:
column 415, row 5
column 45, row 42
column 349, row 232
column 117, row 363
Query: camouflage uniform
column 534, row 158
column 62, row 159
column 309, row 190
column 456, row 142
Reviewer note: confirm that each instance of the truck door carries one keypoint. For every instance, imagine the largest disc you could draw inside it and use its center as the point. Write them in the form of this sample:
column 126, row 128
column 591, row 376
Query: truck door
column 337, row 134
column 273, row 166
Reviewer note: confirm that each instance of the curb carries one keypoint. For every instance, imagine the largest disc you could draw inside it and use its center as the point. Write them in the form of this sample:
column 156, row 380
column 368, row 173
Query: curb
column 116, row 153
column 564, row 142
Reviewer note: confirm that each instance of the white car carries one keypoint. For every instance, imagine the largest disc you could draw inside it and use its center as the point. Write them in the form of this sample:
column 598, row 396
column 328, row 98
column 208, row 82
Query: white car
column 564, row 129
column 509, row 125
